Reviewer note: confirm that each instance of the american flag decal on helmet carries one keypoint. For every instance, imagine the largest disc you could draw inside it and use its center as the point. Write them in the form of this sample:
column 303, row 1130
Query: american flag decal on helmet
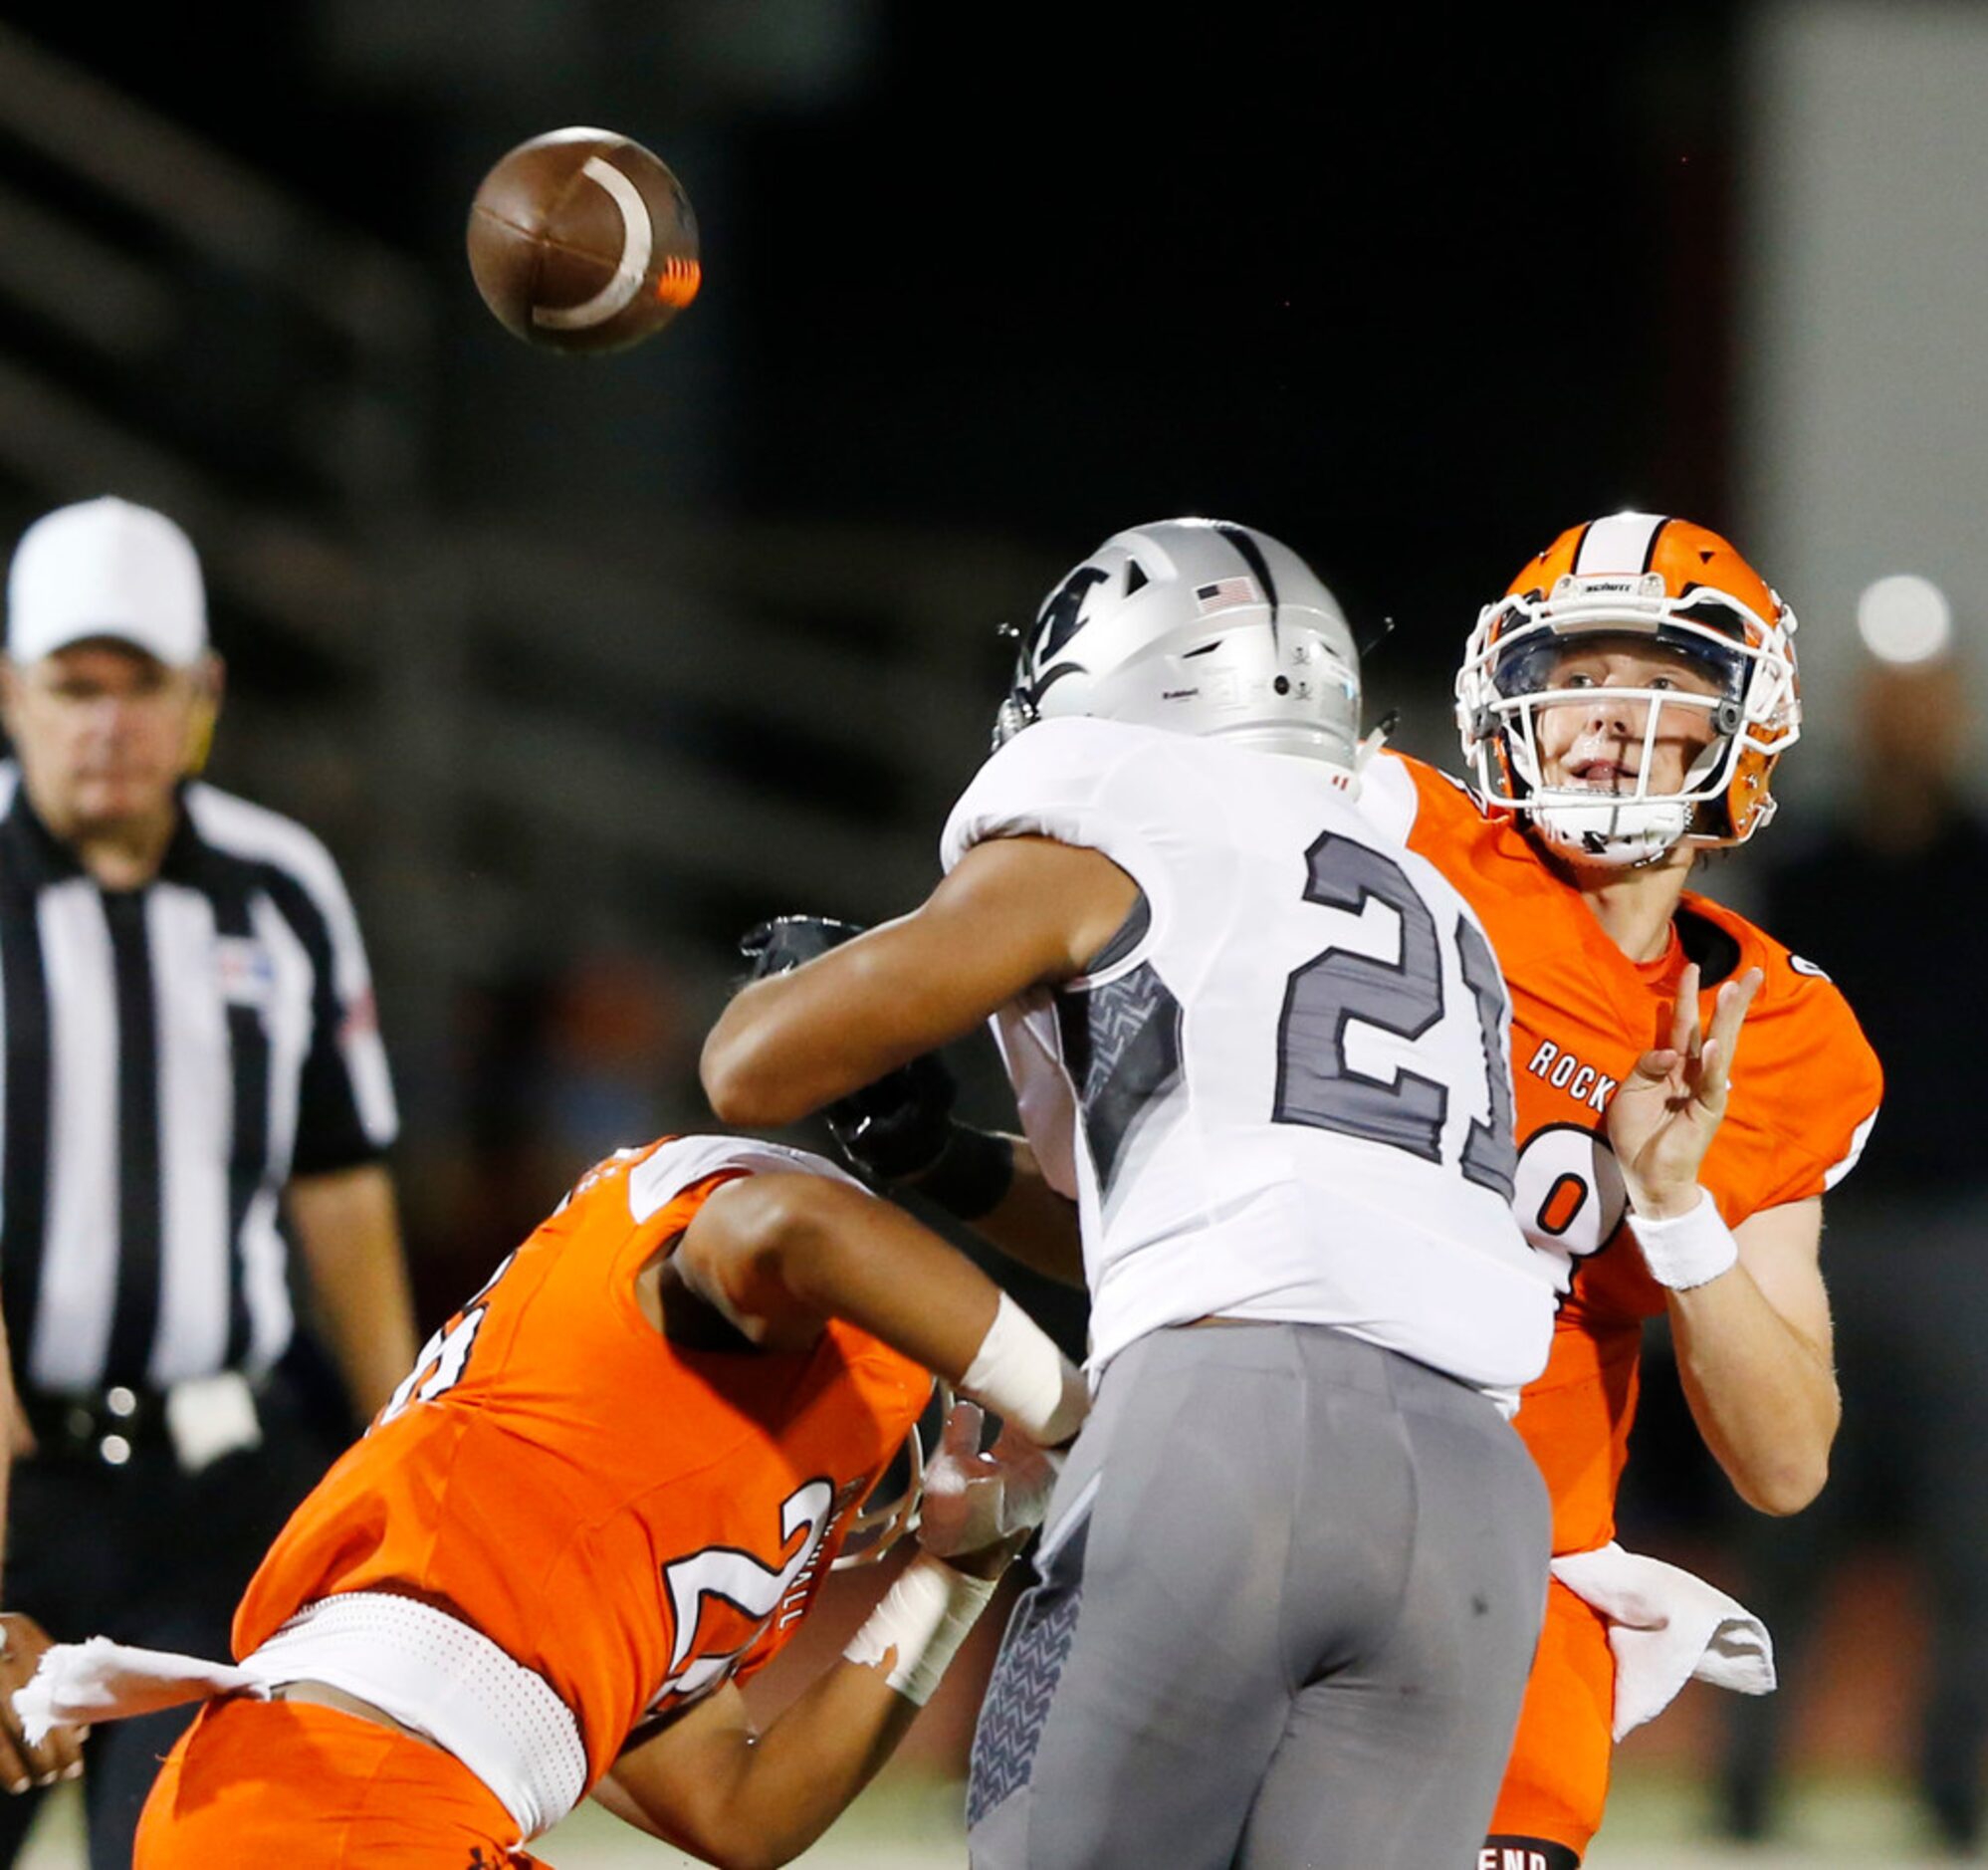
column 1225, row 593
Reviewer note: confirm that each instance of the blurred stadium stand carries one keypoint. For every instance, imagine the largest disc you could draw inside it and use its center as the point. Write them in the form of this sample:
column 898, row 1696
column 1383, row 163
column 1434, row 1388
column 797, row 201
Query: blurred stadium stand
column 524, row 734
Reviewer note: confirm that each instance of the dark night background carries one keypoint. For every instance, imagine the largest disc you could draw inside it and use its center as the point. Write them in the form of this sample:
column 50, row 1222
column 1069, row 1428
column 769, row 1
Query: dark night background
column 1413, row 290
column 581, row 666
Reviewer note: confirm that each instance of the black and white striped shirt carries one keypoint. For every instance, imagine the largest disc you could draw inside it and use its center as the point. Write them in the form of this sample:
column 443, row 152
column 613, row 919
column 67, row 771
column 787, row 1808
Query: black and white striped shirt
column 172, row 1054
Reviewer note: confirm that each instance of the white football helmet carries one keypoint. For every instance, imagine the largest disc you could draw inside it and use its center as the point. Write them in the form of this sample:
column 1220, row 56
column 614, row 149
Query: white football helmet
column 1201, row 628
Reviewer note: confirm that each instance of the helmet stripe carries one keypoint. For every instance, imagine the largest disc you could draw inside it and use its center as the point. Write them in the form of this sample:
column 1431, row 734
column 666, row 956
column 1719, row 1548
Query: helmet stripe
column 1623, row 542
column 1252, row 555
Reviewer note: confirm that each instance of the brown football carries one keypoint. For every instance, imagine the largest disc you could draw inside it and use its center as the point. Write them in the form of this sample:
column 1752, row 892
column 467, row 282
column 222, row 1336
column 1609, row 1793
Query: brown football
column 580, row 240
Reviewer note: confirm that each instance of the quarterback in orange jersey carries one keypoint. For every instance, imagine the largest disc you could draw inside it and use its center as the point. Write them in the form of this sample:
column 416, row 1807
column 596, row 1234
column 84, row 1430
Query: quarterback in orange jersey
column 605, row 1496
column 1620, row 707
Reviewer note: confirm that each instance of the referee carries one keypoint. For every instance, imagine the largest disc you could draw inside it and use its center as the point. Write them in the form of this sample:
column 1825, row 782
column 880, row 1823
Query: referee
column 192, row 1077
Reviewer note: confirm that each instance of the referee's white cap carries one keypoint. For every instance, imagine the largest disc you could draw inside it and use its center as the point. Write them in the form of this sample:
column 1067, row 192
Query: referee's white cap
column 106, row 568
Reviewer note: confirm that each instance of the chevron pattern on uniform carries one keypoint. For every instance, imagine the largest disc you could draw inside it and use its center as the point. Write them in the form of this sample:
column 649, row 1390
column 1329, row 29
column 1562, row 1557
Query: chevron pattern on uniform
column 1123, row 1045
column 1025, row 1681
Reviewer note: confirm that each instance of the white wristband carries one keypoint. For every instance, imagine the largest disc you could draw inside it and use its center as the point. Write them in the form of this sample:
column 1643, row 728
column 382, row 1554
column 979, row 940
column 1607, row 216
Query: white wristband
column 923, row 1620
column 1024, row 1379
column 1687, row 1249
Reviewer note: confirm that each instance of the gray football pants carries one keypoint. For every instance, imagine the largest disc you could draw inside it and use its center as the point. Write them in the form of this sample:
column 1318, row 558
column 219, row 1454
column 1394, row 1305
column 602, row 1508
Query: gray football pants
column 1289, row 1589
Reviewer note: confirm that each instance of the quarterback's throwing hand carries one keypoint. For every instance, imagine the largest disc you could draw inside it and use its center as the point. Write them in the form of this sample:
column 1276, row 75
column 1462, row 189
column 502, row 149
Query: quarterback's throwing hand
column 975, row 1501
column 1664, row 1117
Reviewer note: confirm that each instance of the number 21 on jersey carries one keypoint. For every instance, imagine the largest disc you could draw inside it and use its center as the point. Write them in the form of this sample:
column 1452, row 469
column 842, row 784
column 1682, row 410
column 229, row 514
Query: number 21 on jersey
column 1319, row 1086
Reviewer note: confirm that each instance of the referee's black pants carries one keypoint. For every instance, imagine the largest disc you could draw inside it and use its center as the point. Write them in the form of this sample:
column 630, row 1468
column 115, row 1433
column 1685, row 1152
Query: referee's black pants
column 147, row 1553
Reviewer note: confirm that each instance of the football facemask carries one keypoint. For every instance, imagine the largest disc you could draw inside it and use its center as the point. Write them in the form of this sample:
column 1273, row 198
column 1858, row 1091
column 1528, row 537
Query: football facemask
column 1201, row 628
column 889, row 1511
column 1641, row 578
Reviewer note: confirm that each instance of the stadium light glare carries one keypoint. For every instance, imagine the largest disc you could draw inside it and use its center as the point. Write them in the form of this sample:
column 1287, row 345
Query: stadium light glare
column 1904, row 618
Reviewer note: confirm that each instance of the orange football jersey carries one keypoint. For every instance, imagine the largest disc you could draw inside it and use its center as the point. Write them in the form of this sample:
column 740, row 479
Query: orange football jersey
column 1805, row 1092
column 635, row 1520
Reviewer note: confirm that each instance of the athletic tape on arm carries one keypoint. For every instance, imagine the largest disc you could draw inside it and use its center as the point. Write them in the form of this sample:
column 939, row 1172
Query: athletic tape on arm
column 1024, row 1379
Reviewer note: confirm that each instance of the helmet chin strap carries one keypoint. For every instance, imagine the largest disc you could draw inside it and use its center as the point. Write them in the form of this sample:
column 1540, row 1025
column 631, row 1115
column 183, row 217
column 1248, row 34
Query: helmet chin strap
column 1611, row 833
column 1615, row 832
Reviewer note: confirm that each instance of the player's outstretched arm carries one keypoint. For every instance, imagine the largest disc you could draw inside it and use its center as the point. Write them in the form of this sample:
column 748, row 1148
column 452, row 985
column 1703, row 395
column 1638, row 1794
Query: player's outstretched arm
column 776, row 1253
column 1014, row 913
column 1750, row 1315
column 711, row 1784
column 900, row 1134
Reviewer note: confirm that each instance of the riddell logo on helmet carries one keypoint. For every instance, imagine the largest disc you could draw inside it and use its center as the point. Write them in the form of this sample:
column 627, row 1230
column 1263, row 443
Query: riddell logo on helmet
column 1609, row 587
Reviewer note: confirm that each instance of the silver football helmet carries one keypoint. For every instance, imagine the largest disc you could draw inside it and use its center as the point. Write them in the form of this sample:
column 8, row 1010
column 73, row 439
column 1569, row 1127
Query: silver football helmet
column 1201, row 628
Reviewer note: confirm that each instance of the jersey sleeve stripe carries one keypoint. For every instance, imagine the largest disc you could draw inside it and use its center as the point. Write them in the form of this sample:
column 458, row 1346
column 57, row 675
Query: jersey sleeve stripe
column 1858, row 1137
column 682, row 1161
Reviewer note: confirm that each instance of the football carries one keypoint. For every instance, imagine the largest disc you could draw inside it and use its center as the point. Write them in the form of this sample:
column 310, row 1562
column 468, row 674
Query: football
column 583, row 241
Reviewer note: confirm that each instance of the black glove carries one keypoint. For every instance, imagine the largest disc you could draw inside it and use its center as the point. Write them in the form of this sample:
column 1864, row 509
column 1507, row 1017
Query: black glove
column 781, row 945
column 899, row 1126
column 887, row 1131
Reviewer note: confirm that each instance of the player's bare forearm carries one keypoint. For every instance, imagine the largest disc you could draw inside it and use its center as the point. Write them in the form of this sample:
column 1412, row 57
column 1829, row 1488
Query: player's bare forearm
column 767, row 1250
column 1034, row 1225
column 1754, row 1336
column 1014, row 913
column 1764, row 1398
column 1754, row 1358
column 349, row 1232
column 747, row 1800
column 786, row 1046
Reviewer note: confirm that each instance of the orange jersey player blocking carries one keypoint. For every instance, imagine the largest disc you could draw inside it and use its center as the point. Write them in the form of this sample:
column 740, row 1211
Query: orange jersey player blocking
column 605, row 1498
column 1621, row 706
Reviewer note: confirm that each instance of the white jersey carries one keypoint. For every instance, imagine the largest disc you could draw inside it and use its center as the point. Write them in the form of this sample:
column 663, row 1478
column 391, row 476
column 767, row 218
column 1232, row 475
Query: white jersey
column 1284, row 1093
